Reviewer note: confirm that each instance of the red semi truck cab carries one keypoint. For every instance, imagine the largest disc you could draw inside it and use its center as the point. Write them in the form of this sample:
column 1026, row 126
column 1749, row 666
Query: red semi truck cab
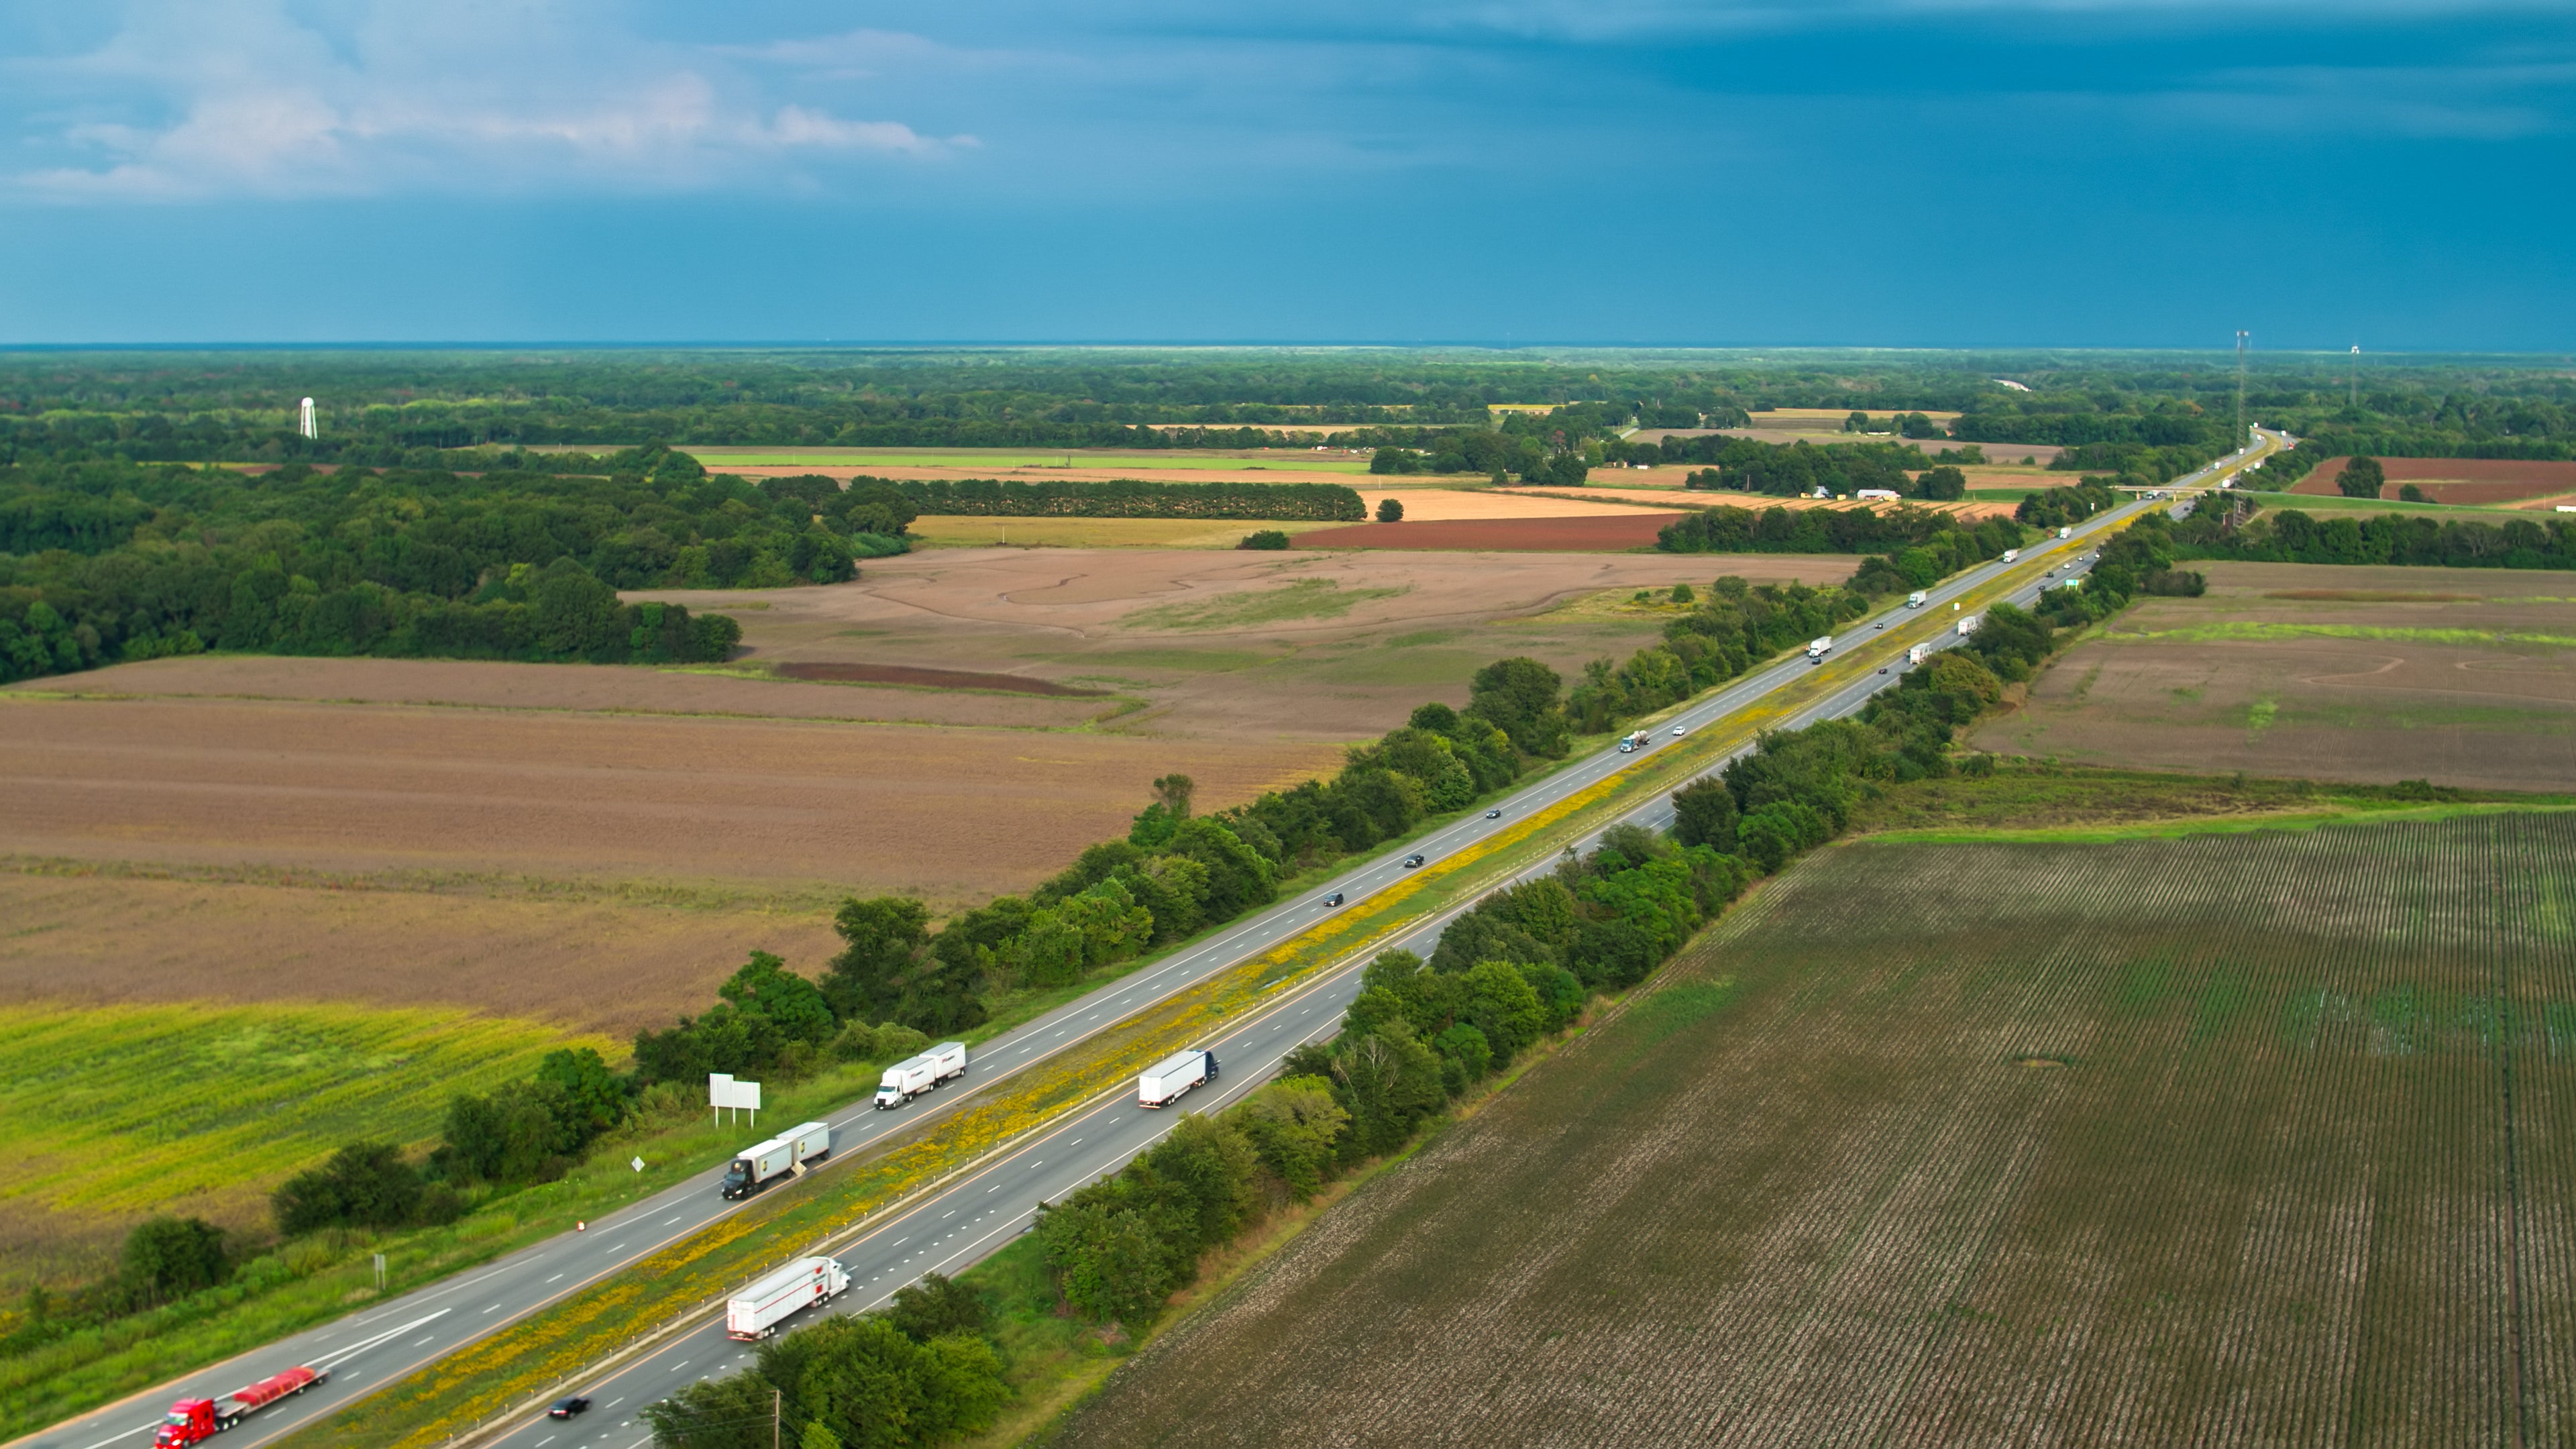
column 191, row 1420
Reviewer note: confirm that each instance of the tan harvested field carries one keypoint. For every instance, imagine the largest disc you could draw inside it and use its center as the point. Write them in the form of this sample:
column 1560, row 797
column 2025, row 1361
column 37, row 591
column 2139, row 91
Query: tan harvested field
column 793, row 804
column 610, row 960
column 1106, row 472
column 574, row 688
column 1322, row 647
column 2218, row 1139
column 2459, row 676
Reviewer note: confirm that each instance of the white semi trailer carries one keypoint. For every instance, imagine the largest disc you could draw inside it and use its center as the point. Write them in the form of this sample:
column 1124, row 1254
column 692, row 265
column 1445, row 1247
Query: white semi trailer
column 1164, row 1082
column 756, row 1166
column 913, row 1076
column 756, row 1311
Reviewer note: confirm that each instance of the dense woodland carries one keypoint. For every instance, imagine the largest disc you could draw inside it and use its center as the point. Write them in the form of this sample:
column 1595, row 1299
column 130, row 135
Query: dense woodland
column 107, row 561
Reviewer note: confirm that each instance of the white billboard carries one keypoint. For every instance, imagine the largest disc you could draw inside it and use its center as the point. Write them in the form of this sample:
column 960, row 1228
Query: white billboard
column 724, row 1091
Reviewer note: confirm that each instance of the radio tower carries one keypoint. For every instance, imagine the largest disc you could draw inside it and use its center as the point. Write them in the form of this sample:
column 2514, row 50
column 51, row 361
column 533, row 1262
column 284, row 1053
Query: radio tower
column 2242, row 337
column 2353, row 375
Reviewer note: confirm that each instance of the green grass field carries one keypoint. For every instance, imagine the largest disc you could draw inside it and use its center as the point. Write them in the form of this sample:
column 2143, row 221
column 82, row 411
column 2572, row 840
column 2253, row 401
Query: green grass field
column 2236, row 1137
column 114, row 1113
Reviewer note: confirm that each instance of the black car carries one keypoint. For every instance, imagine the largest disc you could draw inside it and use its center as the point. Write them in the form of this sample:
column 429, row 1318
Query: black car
column 1411, row 861
column 1334, row 899
column 1493, row 815
column 566, row 1408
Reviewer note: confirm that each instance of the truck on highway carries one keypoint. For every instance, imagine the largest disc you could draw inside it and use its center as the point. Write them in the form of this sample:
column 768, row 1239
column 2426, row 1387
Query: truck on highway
column 913, row 1076
column 1915, row 600
column 1165, row 1081
column 756, row 1311
column 1918, row 653
column 2012, row 555
column 1817, row 649
column 756, row 1166
column 190, row 1420
column 2066, row 533
column 1633, row 742
column 1969, row 624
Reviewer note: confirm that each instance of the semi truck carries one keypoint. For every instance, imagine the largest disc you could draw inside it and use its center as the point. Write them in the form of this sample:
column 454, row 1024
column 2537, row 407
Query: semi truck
column 1630, row 743
column 1817, row 649
column 2012, row 555
column 756, row 1166
column 1969, row 624
column 1918, row 653
column 190, row 1420
column 913, row 1076
column 756, row 1311
column 1164, row 1082
column 1915, row 600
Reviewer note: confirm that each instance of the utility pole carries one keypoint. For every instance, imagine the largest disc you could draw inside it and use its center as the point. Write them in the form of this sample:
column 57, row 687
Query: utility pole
column 2354, row 374
column 774, row 1399
column 2242, row 337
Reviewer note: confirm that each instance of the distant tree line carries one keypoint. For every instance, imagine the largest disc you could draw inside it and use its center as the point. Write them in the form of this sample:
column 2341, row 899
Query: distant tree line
column 1729, row 529
column 1791, row 470
column 2059, row 507
column 1736, row 626
column 1127, row 498
column 2290, row 536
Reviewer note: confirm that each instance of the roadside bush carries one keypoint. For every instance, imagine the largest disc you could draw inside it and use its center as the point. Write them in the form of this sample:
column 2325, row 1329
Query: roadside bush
column 856, row 1381
column 166, row 1257
column 1264, row 538
column 364, row 1185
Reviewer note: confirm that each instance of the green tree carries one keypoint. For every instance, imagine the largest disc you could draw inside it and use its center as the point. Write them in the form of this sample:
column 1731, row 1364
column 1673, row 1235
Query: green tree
column 1389, row 510
column 936, row 1307
column 881, row 939
column 1704, row 813
column 1294, row 1125
column 166, row 1257
column 1942, row 483
column 365, row 1184
column 2361, row 478
column 796, row 1005
column 589, row 1098
column 1524, row 699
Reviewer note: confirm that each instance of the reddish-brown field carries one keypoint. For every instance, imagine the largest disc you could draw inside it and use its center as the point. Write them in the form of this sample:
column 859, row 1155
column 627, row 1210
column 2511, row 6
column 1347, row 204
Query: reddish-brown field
column 2459, row 676
column 2454, row 480
column 1609, row 532
column 2217, row 1139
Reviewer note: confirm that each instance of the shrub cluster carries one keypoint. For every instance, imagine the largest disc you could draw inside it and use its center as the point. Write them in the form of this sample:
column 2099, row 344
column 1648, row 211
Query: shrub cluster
column 2059, row 507
column 1128, row 498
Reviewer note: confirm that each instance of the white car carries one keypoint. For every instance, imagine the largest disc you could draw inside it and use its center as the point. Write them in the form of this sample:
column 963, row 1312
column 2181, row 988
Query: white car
column 1677, row 732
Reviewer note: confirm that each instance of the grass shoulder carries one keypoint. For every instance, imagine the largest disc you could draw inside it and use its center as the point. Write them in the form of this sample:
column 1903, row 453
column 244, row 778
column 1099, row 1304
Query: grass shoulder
column 2034, row 800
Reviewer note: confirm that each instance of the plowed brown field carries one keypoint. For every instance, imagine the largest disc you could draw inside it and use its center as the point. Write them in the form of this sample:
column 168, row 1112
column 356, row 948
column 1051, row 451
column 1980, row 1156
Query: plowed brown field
column 2454, row 480
column 2459, row 676
column 2220, row 1139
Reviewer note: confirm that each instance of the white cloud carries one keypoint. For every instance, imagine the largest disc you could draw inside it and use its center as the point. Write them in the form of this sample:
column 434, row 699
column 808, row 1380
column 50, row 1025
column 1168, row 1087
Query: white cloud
column 209, row 98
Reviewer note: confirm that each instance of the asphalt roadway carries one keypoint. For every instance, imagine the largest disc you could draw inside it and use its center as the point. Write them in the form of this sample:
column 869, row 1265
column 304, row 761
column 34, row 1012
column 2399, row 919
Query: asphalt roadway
column 977, row 1214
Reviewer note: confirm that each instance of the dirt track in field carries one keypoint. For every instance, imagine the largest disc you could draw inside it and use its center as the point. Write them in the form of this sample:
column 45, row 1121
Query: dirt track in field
column 2438, row 674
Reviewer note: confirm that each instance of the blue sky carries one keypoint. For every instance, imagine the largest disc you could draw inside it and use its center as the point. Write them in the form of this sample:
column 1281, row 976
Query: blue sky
column 1969, row 173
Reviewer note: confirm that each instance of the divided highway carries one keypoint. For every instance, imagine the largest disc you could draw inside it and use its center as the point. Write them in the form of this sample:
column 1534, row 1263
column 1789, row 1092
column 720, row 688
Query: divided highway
column 977, row 1214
